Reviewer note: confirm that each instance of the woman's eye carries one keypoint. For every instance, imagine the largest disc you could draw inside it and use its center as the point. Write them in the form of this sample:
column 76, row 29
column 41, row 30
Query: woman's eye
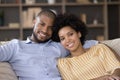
column 70, row 34
column 61, row 39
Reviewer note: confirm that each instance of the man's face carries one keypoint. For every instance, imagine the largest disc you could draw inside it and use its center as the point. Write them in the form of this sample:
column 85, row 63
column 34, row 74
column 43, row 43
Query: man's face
column 42, row 31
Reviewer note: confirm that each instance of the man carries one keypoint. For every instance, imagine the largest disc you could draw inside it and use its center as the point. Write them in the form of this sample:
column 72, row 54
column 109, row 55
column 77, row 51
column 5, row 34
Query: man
column 35, row 58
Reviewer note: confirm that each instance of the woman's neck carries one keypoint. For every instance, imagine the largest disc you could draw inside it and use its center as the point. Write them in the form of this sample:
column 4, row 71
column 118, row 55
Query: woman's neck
column 80, row 50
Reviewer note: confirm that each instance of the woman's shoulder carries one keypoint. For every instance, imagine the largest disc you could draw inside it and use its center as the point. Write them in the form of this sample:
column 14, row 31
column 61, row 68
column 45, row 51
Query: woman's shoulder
column 99, row 46
column 68, row 60
column 96, row 49
column 62, row 62
column 65, row 60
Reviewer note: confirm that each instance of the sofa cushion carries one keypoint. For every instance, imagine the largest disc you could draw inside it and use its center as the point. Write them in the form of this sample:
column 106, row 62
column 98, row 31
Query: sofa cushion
column 6, row 72
column 114, row 44
column 3, row 42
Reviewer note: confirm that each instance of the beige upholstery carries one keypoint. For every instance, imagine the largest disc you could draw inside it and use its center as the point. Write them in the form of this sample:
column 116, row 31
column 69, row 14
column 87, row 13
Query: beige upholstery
column 114, row 44
column 6, row 72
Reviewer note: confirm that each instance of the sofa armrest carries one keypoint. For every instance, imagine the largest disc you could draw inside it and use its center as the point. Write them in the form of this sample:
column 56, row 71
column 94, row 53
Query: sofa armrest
column 114, row 44
column 6, row 72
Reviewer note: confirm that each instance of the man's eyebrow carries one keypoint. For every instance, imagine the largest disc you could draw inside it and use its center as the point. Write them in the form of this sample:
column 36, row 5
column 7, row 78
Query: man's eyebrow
column 39, row 20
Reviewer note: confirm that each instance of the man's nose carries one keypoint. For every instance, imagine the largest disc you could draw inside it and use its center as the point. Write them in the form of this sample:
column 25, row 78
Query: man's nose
column 45, row 29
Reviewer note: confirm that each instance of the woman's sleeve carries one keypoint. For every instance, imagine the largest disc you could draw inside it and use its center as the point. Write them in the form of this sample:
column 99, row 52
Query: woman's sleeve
column 109, row 60
column 64, row 69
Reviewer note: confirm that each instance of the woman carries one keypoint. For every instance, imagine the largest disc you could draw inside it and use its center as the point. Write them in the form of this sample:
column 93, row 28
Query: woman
column 96, row 63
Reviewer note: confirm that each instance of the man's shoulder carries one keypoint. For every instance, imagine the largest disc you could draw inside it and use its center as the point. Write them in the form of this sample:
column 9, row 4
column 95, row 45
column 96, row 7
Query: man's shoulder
column 90, row 43
column 60, row 48
column 55, row 44
column 11, row 42
column 14, row 41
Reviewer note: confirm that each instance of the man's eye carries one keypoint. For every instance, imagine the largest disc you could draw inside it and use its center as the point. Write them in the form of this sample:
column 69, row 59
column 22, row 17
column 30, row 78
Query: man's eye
column 50, row 27
column 42, row 24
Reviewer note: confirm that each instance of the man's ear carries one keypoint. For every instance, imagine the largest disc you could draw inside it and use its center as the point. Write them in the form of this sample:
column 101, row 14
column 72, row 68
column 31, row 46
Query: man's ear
column 34, row 21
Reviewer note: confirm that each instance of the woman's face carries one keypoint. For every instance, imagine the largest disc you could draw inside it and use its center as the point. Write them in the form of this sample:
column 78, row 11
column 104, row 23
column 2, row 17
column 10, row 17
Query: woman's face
column 69, row 38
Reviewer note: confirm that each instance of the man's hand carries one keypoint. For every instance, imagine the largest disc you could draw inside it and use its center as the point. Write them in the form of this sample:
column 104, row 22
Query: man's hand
column 113, row 77
column 108, row 77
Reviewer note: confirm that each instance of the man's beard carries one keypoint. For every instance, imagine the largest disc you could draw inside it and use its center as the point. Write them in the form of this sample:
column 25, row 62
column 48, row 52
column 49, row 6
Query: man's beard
column 39, row 41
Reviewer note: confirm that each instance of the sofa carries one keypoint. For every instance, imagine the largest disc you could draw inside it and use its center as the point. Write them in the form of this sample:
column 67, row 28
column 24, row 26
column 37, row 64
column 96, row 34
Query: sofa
column 6, row 72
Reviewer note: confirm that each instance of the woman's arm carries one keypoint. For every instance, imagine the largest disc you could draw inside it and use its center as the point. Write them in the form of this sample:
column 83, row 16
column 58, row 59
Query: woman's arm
column 111, row 61
column 114, row 76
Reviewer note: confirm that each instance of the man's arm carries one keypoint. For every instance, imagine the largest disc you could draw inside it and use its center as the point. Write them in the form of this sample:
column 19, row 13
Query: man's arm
column 90, row 43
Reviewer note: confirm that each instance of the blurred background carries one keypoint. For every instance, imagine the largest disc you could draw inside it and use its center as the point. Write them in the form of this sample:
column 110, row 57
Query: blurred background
column 101, row 16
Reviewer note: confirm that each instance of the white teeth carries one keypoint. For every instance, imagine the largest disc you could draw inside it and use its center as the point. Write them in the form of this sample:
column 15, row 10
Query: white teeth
column 41, row 34
column 70, row 45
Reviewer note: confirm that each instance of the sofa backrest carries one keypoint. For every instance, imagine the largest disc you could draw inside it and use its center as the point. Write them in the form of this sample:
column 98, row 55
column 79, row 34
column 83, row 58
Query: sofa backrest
column 114, row 44
column 6, row 72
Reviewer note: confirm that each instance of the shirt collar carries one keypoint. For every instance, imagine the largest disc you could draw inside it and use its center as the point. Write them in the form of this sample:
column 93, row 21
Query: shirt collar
column 30, row 41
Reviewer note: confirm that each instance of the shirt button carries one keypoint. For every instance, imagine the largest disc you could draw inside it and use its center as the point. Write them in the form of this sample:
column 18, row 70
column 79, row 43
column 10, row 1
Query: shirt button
column 47, row 73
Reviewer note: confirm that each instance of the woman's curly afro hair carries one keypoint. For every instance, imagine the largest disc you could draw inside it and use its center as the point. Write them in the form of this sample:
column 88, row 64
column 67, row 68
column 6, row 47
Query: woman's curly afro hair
column 71, row 20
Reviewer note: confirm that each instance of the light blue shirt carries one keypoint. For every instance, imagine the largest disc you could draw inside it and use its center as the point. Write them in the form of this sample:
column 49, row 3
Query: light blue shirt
column 33, row 61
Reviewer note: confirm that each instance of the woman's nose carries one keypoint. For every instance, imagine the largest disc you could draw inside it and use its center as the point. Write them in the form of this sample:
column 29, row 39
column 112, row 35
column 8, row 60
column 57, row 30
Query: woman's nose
column 67, row 39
